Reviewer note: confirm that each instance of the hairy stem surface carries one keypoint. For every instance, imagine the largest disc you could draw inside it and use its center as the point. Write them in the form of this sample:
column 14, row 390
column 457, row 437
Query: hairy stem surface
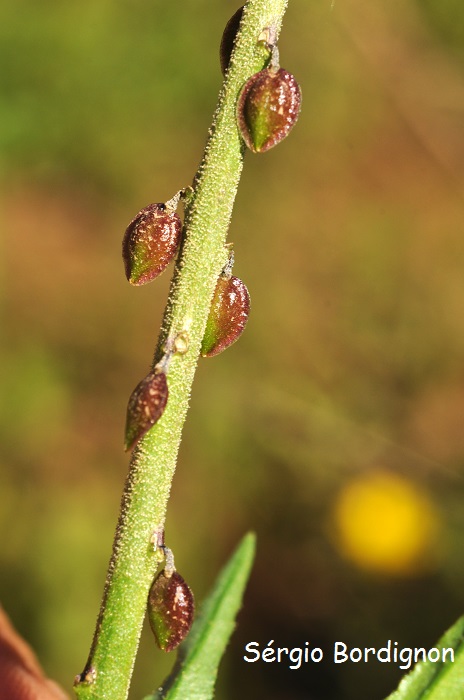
column 143, row 508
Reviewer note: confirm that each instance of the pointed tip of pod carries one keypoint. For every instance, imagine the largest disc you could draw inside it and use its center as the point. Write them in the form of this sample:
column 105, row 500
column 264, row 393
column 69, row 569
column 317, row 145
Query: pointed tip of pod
column 171, row 609
column 228, row 39
column 150, row 243
column 268, row 108
column 145, row 407
column 227, row 317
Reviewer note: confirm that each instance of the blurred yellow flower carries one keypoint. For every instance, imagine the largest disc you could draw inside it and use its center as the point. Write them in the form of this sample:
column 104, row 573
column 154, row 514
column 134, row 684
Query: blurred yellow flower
column 385, row 523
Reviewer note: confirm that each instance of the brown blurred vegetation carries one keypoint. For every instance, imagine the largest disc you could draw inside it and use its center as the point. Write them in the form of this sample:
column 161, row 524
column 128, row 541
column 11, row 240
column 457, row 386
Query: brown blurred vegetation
column 350, row 239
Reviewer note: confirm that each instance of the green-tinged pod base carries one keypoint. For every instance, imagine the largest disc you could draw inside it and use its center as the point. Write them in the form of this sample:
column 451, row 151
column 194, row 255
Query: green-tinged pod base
column 227, row 317
column 268, row 108
column 170, row 610
column 150, row 243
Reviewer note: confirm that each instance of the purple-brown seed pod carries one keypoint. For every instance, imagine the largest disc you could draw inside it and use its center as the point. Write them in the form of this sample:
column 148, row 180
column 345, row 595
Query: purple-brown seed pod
column 228, row 39
column 227, row 317
column 150, row 243
column 268, row 108
column 146, row 405
column 170, row 610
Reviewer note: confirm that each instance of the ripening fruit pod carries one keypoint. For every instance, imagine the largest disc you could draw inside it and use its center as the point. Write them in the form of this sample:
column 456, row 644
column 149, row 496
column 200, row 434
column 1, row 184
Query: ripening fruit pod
column 227, row 317
column 146, row 405
column 228, row 39
column 170, row 610
column 150, row 243
column 268, row 108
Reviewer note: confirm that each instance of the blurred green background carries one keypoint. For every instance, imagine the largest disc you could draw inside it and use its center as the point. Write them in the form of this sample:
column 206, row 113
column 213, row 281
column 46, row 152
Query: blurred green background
column 335, row 427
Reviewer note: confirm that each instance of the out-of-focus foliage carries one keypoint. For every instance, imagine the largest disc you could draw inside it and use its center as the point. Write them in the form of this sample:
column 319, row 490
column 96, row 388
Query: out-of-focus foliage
column 349, row 237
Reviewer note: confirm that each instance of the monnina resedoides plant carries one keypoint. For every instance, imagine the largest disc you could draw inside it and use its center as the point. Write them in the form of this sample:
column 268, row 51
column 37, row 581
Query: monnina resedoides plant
column 206, row 311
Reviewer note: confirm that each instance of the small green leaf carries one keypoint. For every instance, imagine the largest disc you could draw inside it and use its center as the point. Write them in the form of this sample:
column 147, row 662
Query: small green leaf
column 439, row 680
column 195, row 671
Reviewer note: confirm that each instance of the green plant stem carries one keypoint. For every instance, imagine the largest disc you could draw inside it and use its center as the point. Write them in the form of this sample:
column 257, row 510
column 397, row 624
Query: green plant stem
column 134, row 561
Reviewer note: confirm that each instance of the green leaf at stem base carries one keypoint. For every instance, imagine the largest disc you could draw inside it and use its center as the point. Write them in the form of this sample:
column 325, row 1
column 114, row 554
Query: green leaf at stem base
column 440, row 680
column 195, row 671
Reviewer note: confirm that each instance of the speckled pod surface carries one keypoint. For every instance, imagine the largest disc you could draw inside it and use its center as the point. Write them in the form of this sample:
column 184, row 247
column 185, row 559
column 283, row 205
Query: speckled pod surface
column 170, row 610
column 227, row 317
column 268, row 108
column 146, row 405
column 150, row 243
